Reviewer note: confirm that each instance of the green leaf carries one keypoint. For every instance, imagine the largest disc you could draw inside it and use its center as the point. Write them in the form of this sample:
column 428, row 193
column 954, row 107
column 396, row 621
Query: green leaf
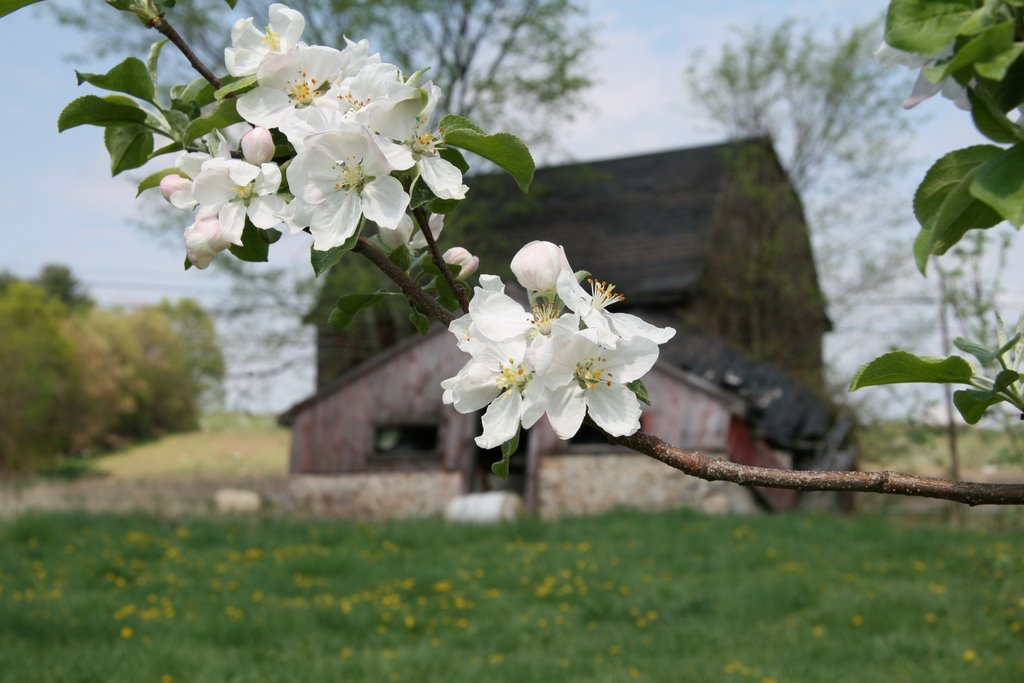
column 231, row 3
column 199, row 93
column 922, row 249
column 638, row 388
column 243, row 83
column 401, row 257
column 991, row 122
column 943, row 202
column 985, row 355
column 323, row 260
column 983, row 48
column 508, row 449
column 153, row 179
column 349, row 305
column 901, row 367
column 188, row 264
column 503, row 149
column 167, row 149
column 925, row 26
column 972, row 403
column 420, row 321
column 154, row 58
column 1000, row 184
column 8, row 6
column 129, row 147
column 100, row 111
column 130, row 77
column 222, row 116
column 254, row 248
column 996, row 67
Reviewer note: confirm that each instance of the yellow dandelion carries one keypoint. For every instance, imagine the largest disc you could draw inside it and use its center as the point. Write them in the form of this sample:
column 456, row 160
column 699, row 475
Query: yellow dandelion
column 1016, row 627
column 127, row 632
column 167, row 678
column 462, row 622
column 443, row 586
column 120, row 582
column 857, row 620
column 614, row 650
column 495, row 659
column 410, row 621
column 346, row 653
column 931, row 617
column 919, row 565
column 937, row 588
column 818, row 631
column 970, row 655
column 435, row 643
column 1020, row 603
column 769, row 680
column 633, row 672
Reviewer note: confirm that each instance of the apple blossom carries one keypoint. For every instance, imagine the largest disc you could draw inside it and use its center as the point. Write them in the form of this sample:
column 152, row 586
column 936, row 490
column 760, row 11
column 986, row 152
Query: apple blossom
column 289, row 81
column 584, row 376
column 342, row 176
column 606, row 327
column 442, row 177
column 177, row 190
column 538, row 264
column 249, row 46
column 203, row 239
column 405, row 233
column 459, row 256
column 239, row 189
column 923, row 89
column 257, row 146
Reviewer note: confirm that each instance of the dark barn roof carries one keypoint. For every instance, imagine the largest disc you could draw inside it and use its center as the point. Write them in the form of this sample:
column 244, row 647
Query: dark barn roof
column 663, row 204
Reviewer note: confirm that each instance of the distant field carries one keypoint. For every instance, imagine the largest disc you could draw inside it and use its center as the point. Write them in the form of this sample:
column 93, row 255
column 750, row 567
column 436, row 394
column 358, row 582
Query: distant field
column 626, row 597
column 921, row 448
column 227, row 446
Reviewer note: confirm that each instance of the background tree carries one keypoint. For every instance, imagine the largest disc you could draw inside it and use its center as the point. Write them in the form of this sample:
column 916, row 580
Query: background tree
column 833, row 115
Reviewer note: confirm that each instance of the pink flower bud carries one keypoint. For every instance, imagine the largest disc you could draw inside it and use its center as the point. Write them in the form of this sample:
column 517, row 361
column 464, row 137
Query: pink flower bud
column 258, row 146
column 170, row 184
column 538, row 264
column 467, row 263
column 203, row 239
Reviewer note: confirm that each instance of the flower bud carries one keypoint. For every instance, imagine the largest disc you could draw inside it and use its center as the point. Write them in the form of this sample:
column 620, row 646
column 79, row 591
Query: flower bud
column 177, row 190
column 467, row 263
column 258, row 146
column 396, row 237
column 203, row 239
column 538, row 264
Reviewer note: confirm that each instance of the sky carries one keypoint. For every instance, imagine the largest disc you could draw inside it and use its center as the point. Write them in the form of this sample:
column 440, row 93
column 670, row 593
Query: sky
column 63, row 206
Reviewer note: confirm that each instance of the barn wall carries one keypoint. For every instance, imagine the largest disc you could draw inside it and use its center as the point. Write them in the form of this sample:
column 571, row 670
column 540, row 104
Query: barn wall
column 380, row 495
column 570, row 485
column 336, row 432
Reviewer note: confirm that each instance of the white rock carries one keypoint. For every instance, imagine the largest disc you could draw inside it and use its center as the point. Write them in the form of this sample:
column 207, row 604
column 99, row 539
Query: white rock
column 236, row 500
column 484, row 508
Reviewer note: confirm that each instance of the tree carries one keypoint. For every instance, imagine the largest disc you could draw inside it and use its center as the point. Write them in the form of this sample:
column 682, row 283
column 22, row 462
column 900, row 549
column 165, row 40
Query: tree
column 832, row 113
column 511, row 64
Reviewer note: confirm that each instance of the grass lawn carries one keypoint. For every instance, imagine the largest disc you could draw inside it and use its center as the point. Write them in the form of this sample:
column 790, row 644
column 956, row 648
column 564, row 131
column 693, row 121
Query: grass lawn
column 227, row 446
column 667, row 597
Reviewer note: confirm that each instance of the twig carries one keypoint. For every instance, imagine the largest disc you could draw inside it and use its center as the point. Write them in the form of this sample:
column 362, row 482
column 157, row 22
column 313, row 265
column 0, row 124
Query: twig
column 423, row 220
column 717, row 469
column 416, row 294
column 164, row 27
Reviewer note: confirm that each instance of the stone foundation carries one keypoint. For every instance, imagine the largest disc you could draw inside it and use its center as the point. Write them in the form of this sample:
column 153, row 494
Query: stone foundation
column 592, row 484
column 380, row 495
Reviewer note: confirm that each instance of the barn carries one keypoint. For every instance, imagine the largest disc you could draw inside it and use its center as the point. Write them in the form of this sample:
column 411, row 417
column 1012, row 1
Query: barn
column 709, row 240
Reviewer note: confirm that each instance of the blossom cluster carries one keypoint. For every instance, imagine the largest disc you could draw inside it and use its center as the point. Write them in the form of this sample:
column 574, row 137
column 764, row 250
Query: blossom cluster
column 343, row 122
column 564, row 357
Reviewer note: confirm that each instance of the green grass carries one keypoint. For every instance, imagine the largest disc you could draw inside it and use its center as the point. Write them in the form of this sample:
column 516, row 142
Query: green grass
column 228, row 445
column 668, row 597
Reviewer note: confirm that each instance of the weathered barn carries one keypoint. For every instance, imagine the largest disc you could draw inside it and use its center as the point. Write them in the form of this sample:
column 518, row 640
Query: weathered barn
column 710, row 240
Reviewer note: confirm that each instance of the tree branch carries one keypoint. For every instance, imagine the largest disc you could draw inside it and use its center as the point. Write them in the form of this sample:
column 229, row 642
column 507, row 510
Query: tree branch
column 414, row 292
column 423, row 220
column 164, row 27
column 718, row 469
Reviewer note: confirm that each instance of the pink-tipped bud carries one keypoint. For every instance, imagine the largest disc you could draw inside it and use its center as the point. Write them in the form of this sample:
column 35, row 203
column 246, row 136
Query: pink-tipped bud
column 258, row 146
column 538, row 264
column 176, row 188
column 467, row 263
column 203, row 239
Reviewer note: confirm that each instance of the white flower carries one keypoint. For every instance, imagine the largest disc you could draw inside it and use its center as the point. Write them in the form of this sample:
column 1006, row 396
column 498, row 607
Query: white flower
column 203, row 239
column 538, row 264
column 258, row 146
column 249, row 46
column 459, row 256
column 500, row 376
column 406, row 234
column 442, row 177
column 345, row 176
column 177, row 190
column 605, row 327
column 583, row 376
column 239, row 189
column 887, row 55
column 288, row 81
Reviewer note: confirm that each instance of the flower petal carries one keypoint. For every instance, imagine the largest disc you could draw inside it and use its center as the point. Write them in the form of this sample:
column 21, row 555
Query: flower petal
column 442, row 177
column 335, row 220
column 614, row 408
column 384, row 201
column 501, row 421
column 566, row 408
